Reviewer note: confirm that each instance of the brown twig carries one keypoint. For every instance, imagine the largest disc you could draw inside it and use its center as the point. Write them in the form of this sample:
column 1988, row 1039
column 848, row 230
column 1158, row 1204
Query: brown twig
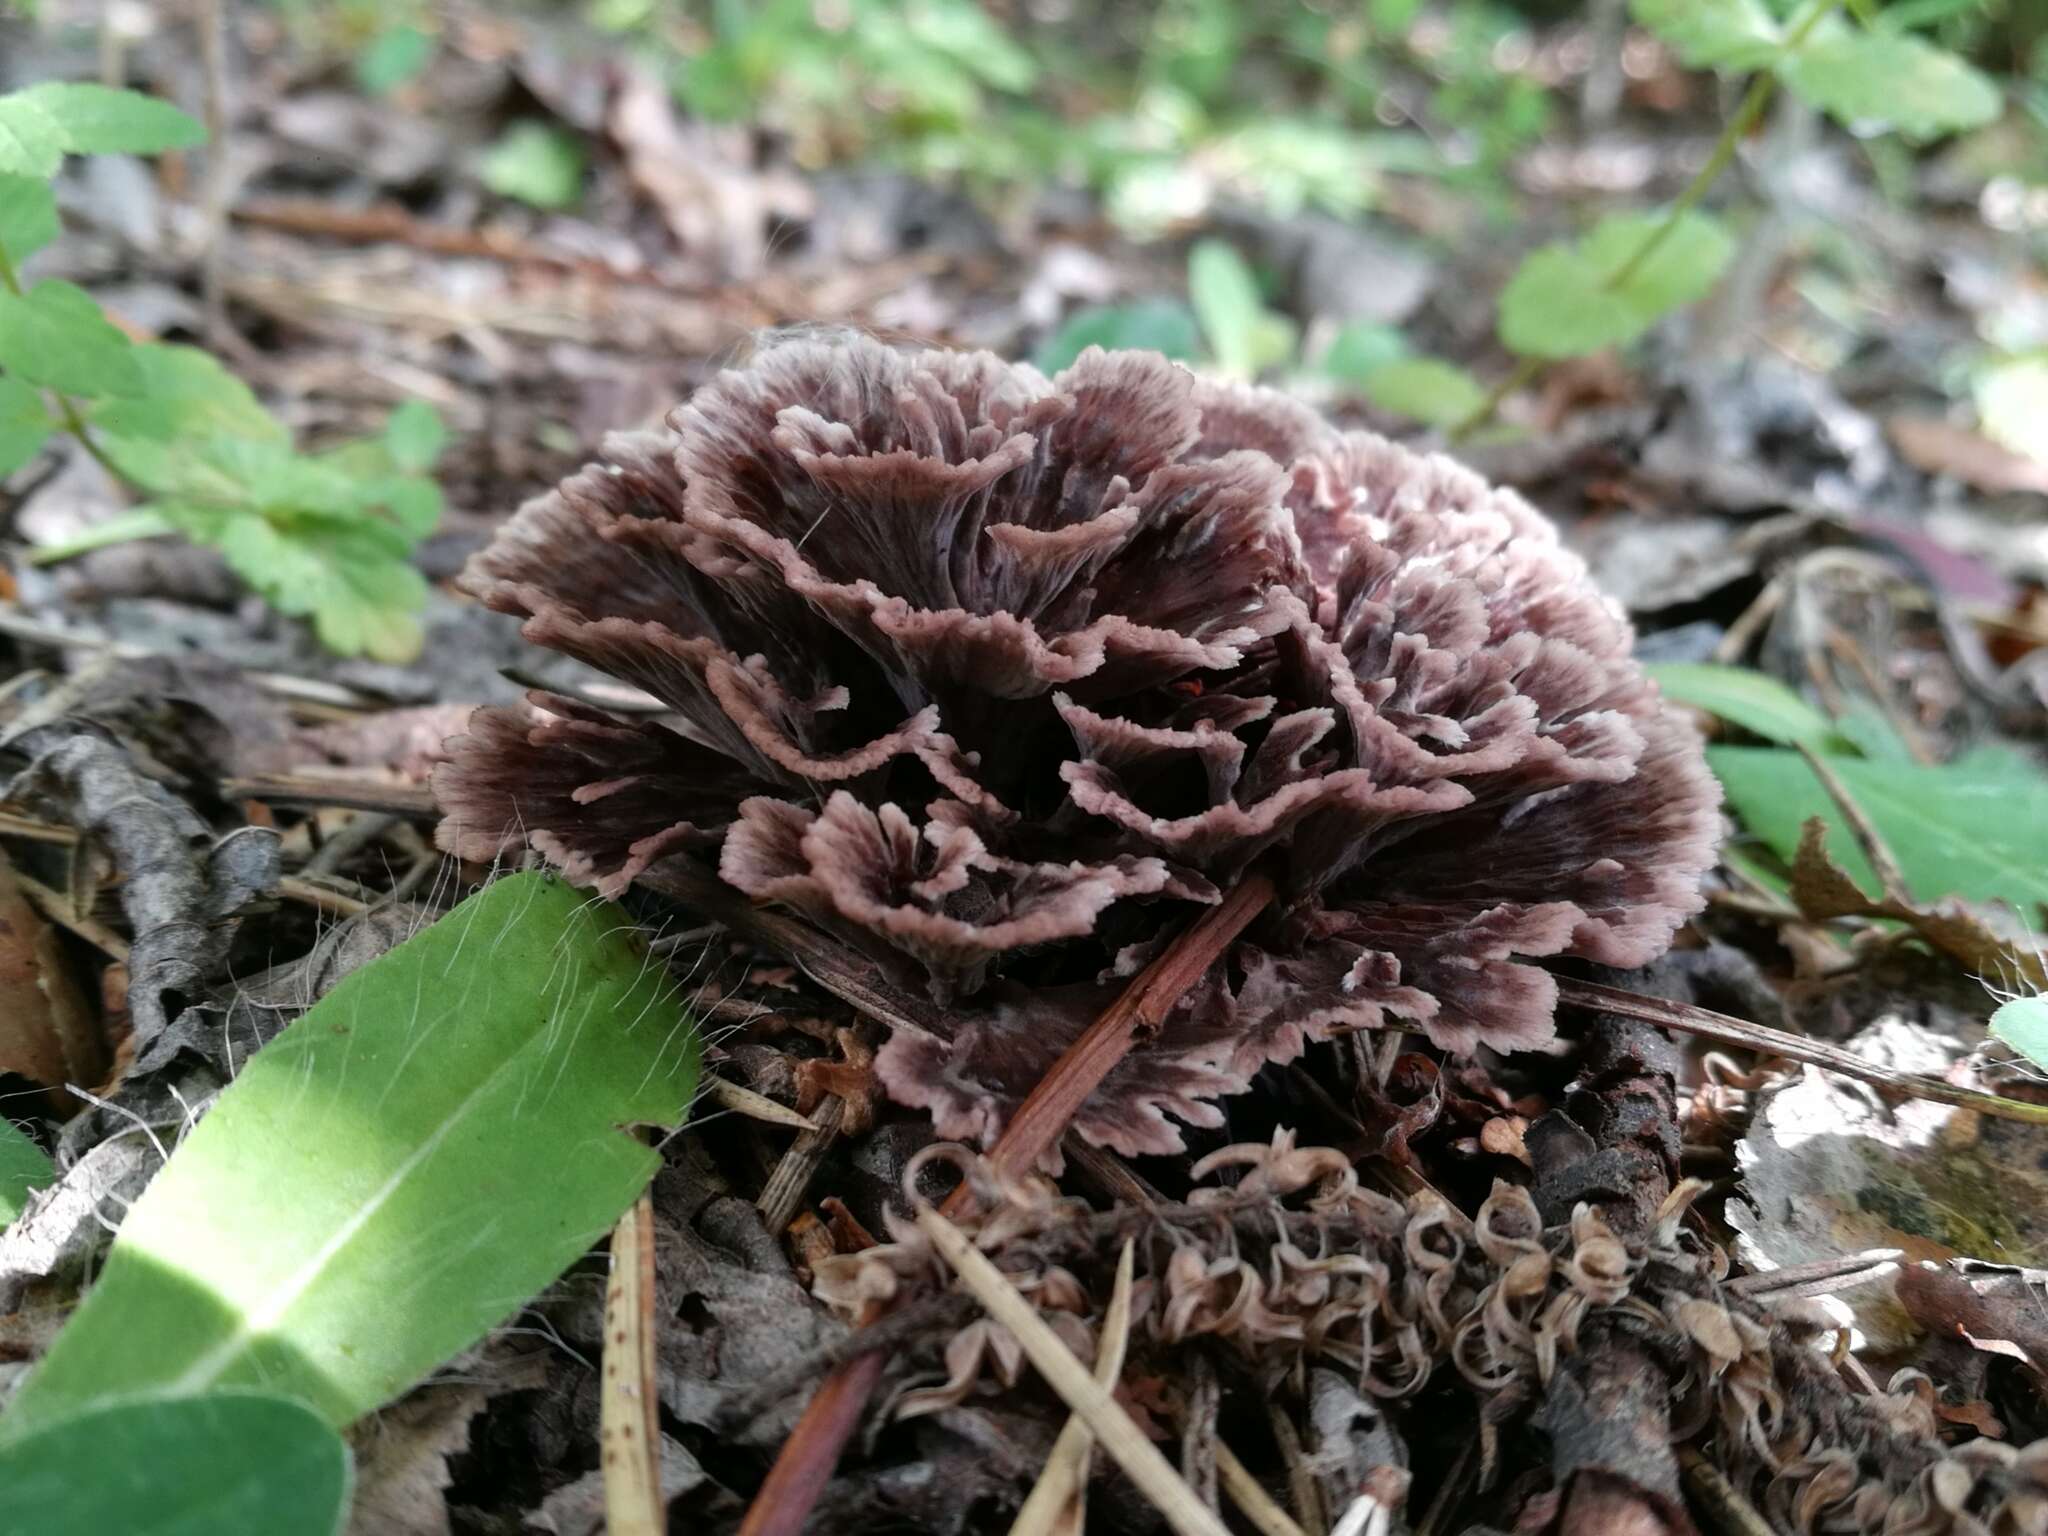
column 1690, row 1019
column 812, row 1450
column 1891, row 878
column 314, row 792
column 792, row 1176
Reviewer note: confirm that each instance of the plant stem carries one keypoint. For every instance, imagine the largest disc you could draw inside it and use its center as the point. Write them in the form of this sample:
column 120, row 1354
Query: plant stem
column 1740, row 125
column 68, row 416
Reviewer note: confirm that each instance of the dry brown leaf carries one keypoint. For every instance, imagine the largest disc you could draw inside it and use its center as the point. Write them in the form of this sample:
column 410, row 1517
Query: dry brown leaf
column 1822, row 890
column 1942, row 448
column 47, row 1031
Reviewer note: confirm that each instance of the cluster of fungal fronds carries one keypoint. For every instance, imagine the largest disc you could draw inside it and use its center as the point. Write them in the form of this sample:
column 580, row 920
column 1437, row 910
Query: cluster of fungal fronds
column 1000, row 677
column 1294, row 1265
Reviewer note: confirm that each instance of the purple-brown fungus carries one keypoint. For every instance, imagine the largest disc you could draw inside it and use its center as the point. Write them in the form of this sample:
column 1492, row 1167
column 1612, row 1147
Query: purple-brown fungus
column 1002, row 677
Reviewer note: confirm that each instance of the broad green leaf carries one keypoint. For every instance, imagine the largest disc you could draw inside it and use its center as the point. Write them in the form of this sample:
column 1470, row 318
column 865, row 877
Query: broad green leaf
column 2022, row 1024
column 414, row 435
column 1759, row 704
column 24, row 424
column 536, row 164
column 28, row 216
column 31, row 141
column 24, row 1166
column 1885, row 79
column 2012, row 404
column 1712, row 34
column 186, row 393
column 1434, row 392
column 100, row 120
column 1977, row 833
column 222, row 1464
column 1148, row 325
column 393, row 57
column 55, row 335
column 1226, row 299
column 397, row 1172
column 1576, row 297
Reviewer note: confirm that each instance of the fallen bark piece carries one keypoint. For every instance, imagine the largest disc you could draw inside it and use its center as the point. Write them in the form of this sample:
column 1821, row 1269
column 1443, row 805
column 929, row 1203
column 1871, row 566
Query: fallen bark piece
column 47, row 1032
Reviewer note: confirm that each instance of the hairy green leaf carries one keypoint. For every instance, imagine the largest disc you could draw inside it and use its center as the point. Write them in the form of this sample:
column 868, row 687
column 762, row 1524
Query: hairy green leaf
column 101, row 120
column 1978, row 832
column 1713, row 34
column 55, row 335
column 1432, row 391
column 28, row 216
column 222, row 1464
column 1887, row 79
column 395, row 1173
column 1156, row 325
column 24, row 424
column 1757, row 703
column 1576, row 297
column 24, row 1166
column 2022, row 1023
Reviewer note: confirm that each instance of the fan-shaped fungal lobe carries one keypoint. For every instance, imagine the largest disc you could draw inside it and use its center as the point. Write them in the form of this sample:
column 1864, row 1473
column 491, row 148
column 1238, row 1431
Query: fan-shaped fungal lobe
column 1000, row 676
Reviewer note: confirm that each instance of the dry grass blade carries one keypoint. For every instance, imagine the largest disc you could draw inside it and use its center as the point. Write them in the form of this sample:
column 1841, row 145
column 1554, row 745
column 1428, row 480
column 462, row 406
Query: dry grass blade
column 1883, row 862
column 629, row 1412
column 755, row 1106
column 1121, row 1439
column 1057, row 1505
column 1250, row 1497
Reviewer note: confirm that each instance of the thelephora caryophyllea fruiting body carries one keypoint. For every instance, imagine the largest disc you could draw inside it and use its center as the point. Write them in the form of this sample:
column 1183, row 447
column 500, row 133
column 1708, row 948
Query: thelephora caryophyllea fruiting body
column 999, row 677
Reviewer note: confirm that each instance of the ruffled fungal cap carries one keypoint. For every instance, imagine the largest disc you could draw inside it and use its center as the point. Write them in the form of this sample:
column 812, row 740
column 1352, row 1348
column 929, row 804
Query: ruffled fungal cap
column 999, row 676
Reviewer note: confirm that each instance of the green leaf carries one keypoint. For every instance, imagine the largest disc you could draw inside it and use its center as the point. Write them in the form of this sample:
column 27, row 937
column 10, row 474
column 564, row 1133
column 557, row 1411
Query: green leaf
column 414, row 435
column 536, row 164
column 2012, row 404
column 397, row 1172
column 31, row 141
column 24, row 1166
column 224, row 1464
column 1233, row 316
column 1864, row 79
column 1980, row 833
column 186, row 393
column 100, row 120
column 1712, row 34
column 2022, row 1024
column 1759, row 704
column 1360, row 350
column 1148, row 325
column 1434, row 392
column 394, row 56
column 1572, row 298
column 55, row 335
column 28, row 216
column 24, row 424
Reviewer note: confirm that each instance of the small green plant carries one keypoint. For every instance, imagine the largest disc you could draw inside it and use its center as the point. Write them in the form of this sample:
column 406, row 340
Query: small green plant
column 325, row 536
column 1573, row 298
column 536, row 163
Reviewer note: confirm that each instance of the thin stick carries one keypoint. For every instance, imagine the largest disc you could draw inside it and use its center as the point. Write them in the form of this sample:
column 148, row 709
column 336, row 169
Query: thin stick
column 784, row 1191
column 1891, row 878
column 1136, row 1015
column 1249, row 1496
column 1057, row 1501
column 1690, row 1019
column 313, row 791
column 1125, row 1443
column 1718, row 1499
column 629, row 1413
